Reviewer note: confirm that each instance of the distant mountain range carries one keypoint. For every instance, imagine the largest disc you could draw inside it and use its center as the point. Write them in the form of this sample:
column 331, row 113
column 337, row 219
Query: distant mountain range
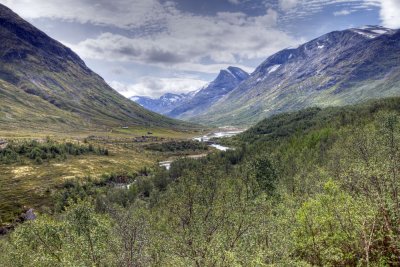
column 338, row 68
column 197, row 102
column 44, row 85
column 164, row 104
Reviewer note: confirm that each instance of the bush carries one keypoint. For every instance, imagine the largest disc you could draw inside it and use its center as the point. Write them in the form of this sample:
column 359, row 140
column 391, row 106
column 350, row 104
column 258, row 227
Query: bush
column 175, row 146
column 16, row 151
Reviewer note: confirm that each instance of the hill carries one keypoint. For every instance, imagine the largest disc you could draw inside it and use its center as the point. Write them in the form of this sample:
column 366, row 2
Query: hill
column 225, row 82
column 45, row 85
column 316, row 187
column 338, row 68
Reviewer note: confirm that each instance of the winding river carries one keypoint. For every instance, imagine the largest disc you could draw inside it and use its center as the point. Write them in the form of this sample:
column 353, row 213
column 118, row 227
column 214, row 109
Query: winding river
column 224, row 132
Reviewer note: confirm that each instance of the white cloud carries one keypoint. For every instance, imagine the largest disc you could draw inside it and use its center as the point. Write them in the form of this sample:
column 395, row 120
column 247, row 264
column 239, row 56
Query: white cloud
column 120, row 13
column 155, row 87
column 288, row 4
column 390, row 13
column 298, row 9
column 168, row 36
column 188, row 39
column 343, row 12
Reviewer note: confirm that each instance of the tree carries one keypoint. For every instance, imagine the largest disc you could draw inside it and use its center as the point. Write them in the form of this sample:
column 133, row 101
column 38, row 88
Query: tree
column 80, row 237
column 331, row 227
column 264, row 173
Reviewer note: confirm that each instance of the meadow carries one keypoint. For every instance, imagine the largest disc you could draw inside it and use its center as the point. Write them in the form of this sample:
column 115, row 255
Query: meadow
column 26, row 183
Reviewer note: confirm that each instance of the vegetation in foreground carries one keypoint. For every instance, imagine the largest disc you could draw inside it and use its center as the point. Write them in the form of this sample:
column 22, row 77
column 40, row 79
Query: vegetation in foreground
column 311, row 188
column 33, row 183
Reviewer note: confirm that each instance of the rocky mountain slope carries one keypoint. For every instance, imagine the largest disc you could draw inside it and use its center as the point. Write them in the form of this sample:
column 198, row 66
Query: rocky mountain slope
column 197, row 102
column 226, row 81
column 44, row 84
column 338, row 68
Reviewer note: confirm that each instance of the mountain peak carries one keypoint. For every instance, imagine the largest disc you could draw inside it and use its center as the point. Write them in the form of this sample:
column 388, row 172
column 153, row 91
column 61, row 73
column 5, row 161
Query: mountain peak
column 231, row 74
column 21, row 39
column 164, row 103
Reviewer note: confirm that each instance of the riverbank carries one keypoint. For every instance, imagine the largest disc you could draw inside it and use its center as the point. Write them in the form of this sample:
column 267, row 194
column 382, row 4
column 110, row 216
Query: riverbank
column 210, row 140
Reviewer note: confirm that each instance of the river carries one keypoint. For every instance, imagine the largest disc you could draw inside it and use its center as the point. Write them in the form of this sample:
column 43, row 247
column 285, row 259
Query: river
column 223, row 132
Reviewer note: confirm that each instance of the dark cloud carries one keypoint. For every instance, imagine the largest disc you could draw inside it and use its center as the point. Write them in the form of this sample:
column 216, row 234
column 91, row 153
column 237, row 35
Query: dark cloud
column 160, row 56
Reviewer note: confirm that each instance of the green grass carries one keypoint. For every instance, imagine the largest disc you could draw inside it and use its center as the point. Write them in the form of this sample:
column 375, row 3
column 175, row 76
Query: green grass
column 34, row 185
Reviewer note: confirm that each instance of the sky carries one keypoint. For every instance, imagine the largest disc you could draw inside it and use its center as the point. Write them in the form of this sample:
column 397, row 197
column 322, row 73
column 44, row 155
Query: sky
column 150, row 47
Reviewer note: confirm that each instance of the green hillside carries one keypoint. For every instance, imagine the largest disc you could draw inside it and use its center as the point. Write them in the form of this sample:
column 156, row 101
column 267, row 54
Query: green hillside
column 339, row 68
column 46, row 85
column 317, row 187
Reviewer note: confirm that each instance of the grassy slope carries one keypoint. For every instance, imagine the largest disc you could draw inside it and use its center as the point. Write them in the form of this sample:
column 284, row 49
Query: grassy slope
column 368, row 71
column 260, row 107
column 34, row 185
column 64, row 91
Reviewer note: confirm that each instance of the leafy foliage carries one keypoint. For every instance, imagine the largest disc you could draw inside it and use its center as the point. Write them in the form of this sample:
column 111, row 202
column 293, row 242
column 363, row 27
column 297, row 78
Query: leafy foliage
column 322, row 192
column 174, row 146
column 17, row 151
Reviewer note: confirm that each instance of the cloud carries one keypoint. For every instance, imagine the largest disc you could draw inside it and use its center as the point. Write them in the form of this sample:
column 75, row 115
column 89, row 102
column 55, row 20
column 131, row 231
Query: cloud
column 235, row 2
column 126, row 14
column 298, row 9
column 390, row 13
column 343, row 12
column 161, row 34
column 288, row 4
column 226, row 38
column 155, row 87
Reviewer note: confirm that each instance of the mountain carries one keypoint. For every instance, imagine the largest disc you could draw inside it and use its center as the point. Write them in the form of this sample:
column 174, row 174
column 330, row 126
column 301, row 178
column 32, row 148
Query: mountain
column 338, row 68
column 163, row 104
column 226, row 81
column 45, row 85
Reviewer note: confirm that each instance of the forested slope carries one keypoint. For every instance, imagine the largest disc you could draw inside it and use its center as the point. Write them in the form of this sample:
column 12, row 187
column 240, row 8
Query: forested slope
column 318, row 187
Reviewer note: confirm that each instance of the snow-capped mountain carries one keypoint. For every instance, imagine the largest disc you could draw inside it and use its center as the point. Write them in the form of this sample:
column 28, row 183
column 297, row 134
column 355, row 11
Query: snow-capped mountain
column 196, row 102
column 338, row 68
column 163, row 104
column 225, row 82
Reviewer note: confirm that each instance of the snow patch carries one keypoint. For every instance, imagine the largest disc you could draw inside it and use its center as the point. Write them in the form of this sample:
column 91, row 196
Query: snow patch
column 380, row 31
column 321, row 46
column 372, row 31
column 368, row 35
column 231, row 73
column 273, row 68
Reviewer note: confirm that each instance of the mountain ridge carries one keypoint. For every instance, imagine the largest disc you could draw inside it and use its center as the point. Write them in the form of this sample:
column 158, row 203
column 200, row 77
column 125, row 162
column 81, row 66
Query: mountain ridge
column 224, row 83
column 49, row 72
column 195, row 102
column 338, row 68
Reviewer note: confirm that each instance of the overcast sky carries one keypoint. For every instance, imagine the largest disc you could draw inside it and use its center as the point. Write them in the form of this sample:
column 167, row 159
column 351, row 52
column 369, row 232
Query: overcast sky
column 149, row 47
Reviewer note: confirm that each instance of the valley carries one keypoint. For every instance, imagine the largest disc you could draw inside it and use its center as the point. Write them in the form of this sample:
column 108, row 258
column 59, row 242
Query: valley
column 26, row 184
column 35, row 185
column 139, row 168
